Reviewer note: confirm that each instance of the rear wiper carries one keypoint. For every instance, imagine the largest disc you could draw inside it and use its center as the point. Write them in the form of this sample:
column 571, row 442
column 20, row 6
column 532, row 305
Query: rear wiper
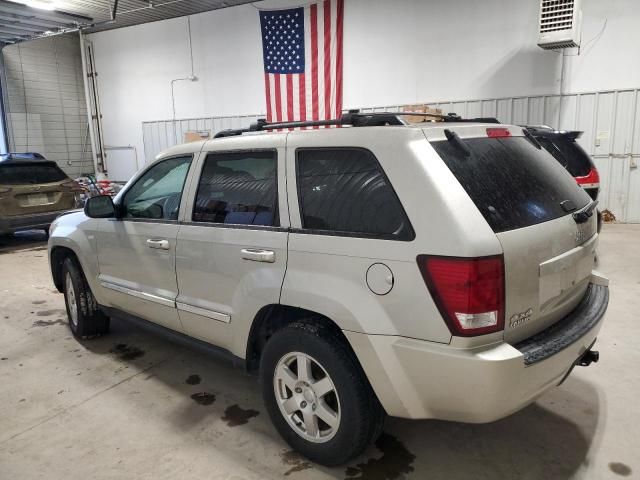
column 584, row 215
column 453, row 138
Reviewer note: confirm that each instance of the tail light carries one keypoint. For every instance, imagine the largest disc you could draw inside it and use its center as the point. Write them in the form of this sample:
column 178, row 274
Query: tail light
column 469, row 292
column 592, row 179
column 72, row 186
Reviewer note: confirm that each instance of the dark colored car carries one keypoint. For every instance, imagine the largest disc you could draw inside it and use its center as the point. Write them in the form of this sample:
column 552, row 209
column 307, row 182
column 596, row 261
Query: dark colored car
column 33, row 192
column 564, row 148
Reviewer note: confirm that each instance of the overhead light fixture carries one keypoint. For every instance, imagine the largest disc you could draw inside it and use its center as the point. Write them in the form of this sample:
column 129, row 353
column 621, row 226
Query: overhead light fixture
column 39, row 4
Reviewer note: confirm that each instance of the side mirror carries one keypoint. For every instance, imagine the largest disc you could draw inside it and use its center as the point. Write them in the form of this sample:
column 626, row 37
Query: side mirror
column 100, row 207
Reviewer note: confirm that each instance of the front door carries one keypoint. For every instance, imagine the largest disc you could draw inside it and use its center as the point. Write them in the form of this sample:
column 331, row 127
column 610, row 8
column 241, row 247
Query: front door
column 232, row 245
column 136, row 253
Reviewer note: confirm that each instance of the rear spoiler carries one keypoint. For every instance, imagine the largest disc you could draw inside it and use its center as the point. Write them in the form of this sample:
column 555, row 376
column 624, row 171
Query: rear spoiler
column 573, row 135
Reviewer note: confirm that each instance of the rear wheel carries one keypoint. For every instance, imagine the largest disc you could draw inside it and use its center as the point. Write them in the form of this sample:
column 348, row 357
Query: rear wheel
column 85, row 318
column 317, row 394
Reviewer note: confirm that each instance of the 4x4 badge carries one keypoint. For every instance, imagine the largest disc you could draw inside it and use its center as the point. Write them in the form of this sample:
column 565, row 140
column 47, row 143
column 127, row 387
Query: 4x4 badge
column 518, row 319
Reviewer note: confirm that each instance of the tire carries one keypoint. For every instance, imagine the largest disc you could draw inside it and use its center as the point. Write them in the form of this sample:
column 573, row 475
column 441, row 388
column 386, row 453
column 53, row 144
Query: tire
column 85, row 318
column 358, row 416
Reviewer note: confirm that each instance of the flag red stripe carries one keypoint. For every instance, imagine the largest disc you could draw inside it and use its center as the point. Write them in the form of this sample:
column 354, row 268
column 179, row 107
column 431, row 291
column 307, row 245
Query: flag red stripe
column 290, row 97
column 339, row 29
column 268, row 90
column 313, row 11
column 303, row 97
column 278, row 98
column 327, row 59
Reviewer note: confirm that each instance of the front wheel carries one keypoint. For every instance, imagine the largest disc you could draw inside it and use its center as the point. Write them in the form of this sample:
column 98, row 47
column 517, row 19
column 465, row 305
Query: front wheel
column 317, row 394
column 85, row 318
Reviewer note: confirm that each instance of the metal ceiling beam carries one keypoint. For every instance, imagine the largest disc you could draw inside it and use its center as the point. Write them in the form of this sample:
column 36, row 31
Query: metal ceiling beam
column 114, row 10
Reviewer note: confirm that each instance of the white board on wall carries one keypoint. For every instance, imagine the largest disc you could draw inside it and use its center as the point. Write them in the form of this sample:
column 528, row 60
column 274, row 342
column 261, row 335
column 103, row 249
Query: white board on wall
column 122, row 163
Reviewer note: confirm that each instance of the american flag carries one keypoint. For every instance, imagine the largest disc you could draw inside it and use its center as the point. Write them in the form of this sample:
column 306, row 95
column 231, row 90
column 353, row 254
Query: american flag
column 302, row 53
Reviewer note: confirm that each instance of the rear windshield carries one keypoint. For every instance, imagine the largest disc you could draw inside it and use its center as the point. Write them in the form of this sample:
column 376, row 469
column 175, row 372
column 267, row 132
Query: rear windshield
column 513, row 184
column 570, row 155
column 18, row 174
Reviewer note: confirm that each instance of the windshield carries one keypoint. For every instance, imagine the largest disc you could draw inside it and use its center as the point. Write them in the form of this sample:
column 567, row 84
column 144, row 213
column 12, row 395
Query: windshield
column 513, row 183
column 32, row 173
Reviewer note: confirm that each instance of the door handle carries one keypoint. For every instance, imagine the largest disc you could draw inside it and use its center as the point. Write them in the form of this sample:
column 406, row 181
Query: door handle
column 258, row 255
column 158, row 243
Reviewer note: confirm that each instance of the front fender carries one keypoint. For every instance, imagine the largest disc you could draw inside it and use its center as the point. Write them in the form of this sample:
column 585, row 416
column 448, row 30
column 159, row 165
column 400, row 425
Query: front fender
column 77, row 232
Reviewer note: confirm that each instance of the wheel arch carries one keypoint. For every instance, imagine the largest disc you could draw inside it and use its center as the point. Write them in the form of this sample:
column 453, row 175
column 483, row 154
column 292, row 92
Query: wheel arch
column 274, row 317
column 57, row 257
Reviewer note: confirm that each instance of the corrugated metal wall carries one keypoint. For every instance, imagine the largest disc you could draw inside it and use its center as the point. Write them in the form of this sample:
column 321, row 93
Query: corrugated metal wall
column 46, row 109
column 160, row 135
column 610, row 121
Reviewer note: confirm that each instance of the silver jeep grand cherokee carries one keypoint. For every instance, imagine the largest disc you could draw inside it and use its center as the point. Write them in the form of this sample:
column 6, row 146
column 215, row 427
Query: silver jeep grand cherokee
column 439, row 270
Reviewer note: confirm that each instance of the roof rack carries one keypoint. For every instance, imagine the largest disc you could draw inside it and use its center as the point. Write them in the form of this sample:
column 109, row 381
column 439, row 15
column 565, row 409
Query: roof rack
column 354, row 118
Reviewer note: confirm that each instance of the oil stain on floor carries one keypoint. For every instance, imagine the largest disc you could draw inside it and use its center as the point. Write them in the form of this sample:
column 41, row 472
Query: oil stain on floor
column 193, row 380
column 294, row 460
column 48, row 323
column 234, row 415
column 395, row 463
column 126, row 352
column 203, row 398
column 48, row 313
column 620, row 469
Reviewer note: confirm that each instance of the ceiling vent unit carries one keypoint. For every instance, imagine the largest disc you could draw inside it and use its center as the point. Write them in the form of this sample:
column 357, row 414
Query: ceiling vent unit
column 560, row 22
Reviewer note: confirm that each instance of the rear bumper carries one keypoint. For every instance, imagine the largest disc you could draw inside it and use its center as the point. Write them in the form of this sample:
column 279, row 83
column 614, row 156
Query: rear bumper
column 420, row 379
column 27, row 222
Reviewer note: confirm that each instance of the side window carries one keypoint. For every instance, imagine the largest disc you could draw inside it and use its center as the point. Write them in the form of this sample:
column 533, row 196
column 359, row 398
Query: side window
column 238, row 188
column 157, row 193
column 344, row 190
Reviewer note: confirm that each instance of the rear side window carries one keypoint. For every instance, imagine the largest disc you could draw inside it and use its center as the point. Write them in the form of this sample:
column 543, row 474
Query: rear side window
column 344, row 191
column 238, row 188
column 34, row 173
column 513, row 184
column 570, row 155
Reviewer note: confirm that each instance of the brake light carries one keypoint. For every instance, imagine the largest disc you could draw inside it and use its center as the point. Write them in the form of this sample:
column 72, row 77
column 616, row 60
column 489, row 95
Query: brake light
column 498, row 132
column 72, row 186
column 469, row 292
column 592, row 179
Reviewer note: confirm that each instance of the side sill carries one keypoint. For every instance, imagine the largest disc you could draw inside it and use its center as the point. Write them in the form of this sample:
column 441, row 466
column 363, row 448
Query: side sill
column 177, row 337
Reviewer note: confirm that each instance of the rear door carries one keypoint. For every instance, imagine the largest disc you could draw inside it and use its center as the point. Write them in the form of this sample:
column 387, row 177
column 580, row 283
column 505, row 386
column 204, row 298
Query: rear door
column 136, row 253
column 29, row 188
column 528, row 199
column 232, row 245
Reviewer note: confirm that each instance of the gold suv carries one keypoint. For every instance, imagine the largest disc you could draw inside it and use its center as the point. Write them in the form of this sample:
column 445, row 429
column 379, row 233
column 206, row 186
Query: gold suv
column 33, row 192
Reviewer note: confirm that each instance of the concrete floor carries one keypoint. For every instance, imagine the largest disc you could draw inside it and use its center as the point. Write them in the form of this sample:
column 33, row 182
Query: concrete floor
column 133, row 405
